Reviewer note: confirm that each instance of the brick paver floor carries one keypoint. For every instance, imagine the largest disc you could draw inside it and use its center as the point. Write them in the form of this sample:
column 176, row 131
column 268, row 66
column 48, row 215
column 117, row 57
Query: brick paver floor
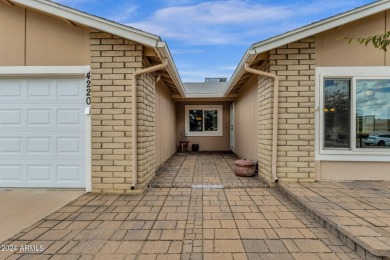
column 358, row 211
column 181, row 223
column 184, row 170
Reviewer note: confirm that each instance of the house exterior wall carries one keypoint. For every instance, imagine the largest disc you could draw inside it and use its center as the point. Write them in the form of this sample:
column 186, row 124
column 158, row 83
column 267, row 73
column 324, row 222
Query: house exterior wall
column 264, row 128
column 331, row 52
column 206, row 143
column 37, row 39
column 246, row 121
column 294, row 64
column 146, row 125
column 113, row 61
column 165, row 125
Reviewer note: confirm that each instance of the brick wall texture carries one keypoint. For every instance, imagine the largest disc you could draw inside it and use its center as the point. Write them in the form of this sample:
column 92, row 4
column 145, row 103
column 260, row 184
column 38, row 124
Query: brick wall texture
column 294, row 64
column 113, row 61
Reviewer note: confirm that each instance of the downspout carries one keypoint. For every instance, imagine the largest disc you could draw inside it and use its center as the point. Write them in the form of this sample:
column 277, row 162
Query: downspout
column 275, row 116
column 134, row 114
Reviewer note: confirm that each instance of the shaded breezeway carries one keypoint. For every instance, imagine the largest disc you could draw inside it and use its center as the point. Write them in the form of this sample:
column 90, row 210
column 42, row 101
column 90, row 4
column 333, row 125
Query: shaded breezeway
column 202, row 169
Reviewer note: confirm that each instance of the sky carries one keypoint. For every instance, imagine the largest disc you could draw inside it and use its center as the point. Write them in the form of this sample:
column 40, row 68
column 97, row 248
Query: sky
column 208, row 38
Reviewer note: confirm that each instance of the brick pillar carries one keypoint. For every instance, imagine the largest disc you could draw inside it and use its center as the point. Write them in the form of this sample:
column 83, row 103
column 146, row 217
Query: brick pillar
column 113, row 60
column 295, row 66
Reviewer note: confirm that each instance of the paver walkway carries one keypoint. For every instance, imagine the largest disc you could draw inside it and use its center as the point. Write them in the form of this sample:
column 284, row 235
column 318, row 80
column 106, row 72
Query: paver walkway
column 358, row 212
column 185, row 170
column 180, row 223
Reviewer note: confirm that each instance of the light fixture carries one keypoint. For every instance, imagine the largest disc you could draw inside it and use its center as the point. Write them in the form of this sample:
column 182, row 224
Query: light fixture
column 326, row 110
column 332, row 109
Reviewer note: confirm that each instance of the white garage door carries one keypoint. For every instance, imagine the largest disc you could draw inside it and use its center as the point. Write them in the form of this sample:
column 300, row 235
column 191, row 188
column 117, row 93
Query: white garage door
column 42, row 133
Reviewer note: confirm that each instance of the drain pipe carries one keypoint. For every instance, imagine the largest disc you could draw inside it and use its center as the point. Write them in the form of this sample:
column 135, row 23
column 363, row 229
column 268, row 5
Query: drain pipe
column 275, row 116
column 134, row 114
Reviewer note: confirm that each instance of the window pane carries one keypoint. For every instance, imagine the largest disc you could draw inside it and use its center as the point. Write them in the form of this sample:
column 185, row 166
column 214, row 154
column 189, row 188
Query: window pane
column 196, row 120
column 211, row 120
column 337, row 113
column 373, row 113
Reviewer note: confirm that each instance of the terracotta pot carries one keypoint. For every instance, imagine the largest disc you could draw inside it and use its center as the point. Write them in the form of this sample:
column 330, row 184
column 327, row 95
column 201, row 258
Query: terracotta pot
column 244, row 168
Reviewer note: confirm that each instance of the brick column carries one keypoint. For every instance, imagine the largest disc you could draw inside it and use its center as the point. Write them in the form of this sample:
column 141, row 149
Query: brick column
column 295, row 66
column 113, row 60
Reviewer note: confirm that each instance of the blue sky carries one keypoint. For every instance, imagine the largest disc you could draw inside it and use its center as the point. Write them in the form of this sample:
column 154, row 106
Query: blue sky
column 208, row 38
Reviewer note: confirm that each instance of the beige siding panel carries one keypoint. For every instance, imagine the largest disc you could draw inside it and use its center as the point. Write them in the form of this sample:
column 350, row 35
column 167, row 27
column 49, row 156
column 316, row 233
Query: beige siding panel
column 12, row 35
column 333, row 51
column 54, row 42
column 165, row 125
column 353, row 170
column 246, row 121
column 206, row 143
column 387, row 62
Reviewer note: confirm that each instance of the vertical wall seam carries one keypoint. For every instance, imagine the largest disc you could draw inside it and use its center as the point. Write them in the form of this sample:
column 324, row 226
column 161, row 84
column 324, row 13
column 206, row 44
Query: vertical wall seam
column 25, row 37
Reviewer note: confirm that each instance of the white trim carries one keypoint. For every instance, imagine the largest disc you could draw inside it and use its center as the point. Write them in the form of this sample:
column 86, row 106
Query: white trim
column 88, row 141
column 219, row 108
column 353, row 153
column 42, row 71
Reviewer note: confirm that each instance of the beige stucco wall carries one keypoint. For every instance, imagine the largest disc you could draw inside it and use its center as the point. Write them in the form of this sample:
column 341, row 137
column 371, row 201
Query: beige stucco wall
column 246, row 121
column 206, row 143
column 165, row 125
column 333, row 51
column 37, row 39
column 352, row 170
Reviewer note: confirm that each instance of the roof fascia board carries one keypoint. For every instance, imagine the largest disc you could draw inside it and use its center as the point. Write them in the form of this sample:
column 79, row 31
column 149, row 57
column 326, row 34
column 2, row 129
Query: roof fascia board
column 248, row 56
column 91, row 21
column 163, row 50
column 321, row 26
column 301, row 33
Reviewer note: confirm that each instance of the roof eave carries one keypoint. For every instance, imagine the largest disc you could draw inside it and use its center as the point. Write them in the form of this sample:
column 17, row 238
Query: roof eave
column 163, row 49
column 248, row 56
column 91, row 21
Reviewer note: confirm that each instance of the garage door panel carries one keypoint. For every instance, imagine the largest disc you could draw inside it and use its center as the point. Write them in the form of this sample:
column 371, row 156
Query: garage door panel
column 10, row 118
column 42, row 133
column 39, row 173
column 69, row 90
column 11, row 145
column 69, row 117
column 69, row 173
column 10, row 173
column 39, row 89
column 40, row 117
column 10, row 90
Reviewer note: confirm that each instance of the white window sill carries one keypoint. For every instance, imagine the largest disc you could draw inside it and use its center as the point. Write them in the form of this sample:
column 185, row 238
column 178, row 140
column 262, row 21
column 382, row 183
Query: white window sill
column 204, row 134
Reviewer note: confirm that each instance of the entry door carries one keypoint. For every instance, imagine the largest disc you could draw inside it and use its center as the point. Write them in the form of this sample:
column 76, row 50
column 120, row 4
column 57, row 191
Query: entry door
column 42, row 133
column 232, row 126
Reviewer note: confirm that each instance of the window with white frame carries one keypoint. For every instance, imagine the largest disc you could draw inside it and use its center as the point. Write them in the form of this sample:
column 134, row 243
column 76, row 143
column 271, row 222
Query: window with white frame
column 354, row 110
column 203, row 120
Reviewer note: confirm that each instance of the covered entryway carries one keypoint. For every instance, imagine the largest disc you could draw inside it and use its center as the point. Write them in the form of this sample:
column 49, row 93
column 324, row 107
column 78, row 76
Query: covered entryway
column 42, row 132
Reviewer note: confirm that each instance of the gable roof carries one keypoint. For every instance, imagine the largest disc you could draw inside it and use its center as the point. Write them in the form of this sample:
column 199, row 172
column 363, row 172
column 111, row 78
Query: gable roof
column 127, row 32
column 301, row 33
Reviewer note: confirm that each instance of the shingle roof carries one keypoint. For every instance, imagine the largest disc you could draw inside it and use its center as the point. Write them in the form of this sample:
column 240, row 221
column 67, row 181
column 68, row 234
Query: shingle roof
column 204, row 88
